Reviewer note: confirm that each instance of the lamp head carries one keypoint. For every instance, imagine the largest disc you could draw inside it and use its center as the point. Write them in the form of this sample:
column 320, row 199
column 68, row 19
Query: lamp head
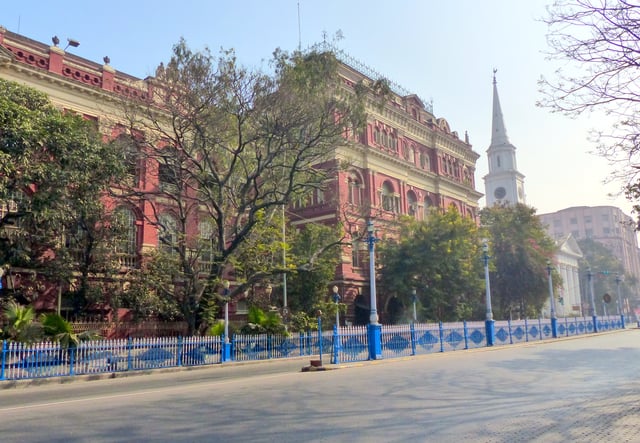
column 335, row 289
column 370, row 227
column 268, row 289
column 226, row 284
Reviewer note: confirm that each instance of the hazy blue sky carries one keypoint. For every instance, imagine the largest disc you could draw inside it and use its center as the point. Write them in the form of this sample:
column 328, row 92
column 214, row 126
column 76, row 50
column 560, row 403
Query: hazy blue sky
column 443, row 51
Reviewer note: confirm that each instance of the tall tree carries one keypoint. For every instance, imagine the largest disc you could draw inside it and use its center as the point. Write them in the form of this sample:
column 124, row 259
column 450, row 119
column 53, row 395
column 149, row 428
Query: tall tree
column 440, row 258
column 601, row 41
column 315, row 251
column 227, row 146
column 520, row 251
column 55, row 168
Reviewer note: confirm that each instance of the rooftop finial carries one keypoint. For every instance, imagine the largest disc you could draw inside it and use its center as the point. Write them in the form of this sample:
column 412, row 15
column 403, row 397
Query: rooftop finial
column 494, row 75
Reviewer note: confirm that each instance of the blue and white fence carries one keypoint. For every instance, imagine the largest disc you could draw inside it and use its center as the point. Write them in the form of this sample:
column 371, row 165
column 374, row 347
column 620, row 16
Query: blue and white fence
column 343, row 344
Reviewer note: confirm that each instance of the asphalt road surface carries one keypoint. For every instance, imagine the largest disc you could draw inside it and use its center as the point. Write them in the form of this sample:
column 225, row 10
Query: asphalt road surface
column 575, row 390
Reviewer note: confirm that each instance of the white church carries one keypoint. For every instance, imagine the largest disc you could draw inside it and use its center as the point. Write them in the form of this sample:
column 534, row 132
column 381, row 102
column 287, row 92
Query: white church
column 504, row 185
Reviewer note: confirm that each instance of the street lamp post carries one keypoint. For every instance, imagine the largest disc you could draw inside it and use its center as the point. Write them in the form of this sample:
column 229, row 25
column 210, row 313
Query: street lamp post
column 336, row 300
column 414, row 299
column 618, row 299
column 552, row 303
column 226, row 350
column 489, row 323
column 374, row 329
column 336, row 328
column 594, row 317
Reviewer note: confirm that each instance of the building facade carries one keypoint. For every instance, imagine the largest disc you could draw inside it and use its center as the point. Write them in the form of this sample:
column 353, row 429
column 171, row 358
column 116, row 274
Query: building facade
column 569, row 302
column 404, row 162
column 605, row 224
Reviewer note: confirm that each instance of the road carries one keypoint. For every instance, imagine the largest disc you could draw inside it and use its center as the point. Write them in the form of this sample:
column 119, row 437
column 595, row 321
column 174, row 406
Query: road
column 582, row 389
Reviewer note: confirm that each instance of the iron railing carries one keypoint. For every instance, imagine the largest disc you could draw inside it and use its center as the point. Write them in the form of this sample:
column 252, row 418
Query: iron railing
column 343, row 344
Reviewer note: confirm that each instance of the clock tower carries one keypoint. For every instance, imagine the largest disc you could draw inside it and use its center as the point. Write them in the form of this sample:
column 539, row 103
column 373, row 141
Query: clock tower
column 503, row 185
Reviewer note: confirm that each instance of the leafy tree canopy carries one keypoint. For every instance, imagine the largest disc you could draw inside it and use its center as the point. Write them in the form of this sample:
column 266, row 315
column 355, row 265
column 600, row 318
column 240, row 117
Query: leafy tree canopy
column 439, row 258
column 54, row 169
column 229, row 146
column 520, row 251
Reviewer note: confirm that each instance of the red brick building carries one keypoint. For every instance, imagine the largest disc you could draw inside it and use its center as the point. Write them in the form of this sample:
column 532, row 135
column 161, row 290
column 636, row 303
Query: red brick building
column 405, row 161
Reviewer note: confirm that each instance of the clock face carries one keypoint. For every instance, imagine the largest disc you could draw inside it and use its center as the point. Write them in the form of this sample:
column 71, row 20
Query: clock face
column 499, row 193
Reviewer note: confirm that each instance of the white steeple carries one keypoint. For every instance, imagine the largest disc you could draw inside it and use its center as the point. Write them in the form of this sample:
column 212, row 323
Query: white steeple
column 498, row 130
column 503, row 184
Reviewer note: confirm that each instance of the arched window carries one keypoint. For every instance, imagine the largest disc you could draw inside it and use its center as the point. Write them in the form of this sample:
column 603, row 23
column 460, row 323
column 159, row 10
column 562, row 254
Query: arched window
column 412, row 204
column 425, row 163
column 385, row 139
column 428, row 204
column 389, row 200
column 131, row 153
column 393, row 141
column 355, row 188
column 167, row 233
column 127, row 246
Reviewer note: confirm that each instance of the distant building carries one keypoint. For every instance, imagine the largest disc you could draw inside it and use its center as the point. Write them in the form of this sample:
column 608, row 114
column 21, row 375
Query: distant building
column 504, row 184
column 607, row 225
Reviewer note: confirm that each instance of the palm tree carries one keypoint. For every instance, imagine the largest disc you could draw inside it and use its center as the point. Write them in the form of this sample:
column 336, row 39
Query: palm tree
column 20, row 324
column 60, row 330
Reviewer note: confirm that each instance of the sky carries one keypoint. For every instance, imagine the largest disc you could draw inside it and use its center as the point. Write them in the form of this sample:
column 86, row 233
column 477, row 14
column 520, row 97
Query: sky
column 443, row 51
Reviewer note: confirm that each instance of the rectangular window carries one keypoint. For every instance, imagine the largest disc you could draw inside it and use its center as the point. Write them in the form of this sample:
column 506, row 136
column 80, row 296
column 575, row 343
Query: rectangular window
column 167, row 176
column 573, row 221
column 587, row 219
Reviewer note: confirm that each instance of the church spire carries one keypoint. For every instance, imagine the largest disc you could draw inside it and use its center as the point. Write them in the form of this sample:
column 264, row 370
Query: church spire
column 504, row 184
column 498, row 130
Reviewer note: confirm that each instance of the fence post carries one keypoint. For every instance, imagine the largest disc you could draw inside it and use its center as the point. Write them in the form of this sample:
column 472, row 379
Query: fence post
column 441, row 333
column 510, row 336
column 129, row 356
column 4, row 359
column 269, row 346
column 465, row 332
column 336, row 346
column 72, row 358
column 526, row 330
column 320, row 337
column 540, row 327
column 622, row 320
column 301, row 342
column 179, row 351
column 413, row 338
column 224, row 355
